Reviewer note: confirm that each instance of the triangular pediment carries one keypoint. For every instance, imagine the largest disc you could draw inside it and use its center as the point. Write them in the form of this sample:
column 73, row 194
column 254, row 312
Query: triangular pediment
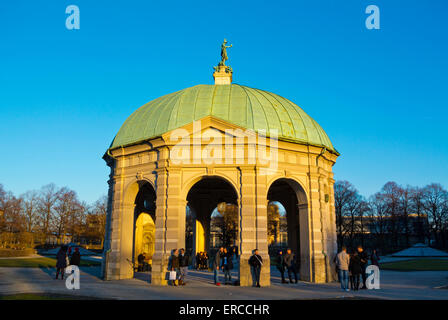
column 207, row 128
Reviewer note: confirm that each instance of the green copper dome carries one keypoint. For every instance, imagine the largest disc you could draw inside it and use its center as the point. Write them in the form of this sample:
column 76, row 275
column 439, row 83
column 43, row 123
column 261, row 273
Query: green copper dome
column 242, row 106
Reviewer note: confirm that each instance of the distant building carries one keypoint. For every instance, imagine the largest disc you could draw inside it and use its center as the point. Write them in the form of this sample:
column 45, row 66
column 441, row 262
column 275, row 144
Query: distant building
column 388, row 231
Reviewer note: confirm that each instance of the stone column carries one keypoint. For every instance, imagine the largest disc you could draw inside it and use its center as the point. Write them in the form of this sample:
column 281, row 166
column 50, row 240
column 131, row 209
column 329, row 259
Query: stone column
column 105, row 267
column 261, row 224
column 318, row 266
column 247, row 223
column 253, row 225
column 305, row 242
column 112, row 266
column 332, row 233
column 170, row 210
column 326, row 236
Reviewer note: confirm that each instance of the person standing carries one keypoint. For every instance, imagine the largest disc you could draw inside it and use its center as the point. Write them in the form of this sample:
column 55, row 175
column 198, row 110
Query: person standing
column 355, row 270
column 227, row 264
column 140, row 260
column 280, row 264
column 173, row 265
column 217, row 265
column 343, row 262
column 290, row 264
column 375, row 258
column 183, row 266
column 61, row 261
column 206, row 265
column 197, row 261
column 256, row 262
column 76, row 258
column 364, row 262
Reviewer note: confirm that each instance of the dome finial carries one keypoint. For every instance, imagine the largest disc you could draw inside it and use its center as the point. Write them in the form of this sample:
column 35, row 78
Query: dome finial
column 223, row 73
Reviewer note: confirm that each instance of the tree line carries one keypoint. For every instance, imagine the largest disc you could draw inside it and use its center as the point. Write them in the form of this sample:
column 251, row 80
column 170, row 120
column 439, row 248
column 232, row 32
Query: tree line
column 49, row 215
column 395, row 217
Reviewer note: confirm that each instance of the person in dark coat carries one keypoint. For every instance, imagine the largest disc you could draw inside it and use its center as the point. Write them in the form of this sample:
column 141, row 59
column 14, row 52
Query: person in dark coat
column 375, row 258
column 281, row 265
column 227, row 265
column 290, row 264
column 61, row 261
column 255, row 263
column 205, row 260
column 76, row 258
column 198, row 260
column 364, row 262
column 217, row 265
column 355, row 268
column 183, row 266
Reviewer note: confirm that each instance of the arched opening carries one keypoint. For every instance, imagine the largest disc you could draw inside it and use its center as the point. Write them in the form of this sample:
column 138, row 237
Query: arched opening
column 144, row 227
column 211, row 216
column 277, row 226
column 286, row 203
column 144, row 238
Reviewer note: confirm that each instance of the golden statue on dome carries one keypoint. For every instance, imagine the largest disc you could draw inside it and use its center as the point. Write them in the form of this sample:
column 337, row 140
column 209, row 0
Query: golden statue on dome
column 223, row 73
column 224, row 56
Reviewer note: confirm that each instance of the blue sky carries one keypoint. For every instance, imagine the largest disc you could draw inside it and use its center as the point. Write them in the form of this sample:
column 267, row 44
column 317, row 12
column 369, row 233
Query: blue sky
column 381, row 95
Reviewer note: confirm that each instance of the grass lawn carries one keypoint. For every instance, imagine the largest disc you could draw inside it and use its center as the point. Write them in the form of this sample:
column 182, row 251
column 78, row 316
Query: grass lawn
column 43, row 262
column 417, row 265
column 42, row 296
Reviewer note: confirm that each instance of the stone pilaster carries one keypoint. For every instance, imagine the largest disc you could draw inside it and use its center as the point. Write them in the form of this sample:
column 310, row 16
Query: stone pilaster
column 169, row 214
column 318, row 264
column 261, row 225
column 253, row 225
column 305, row 242
column 112, row 252
column 332, row 233
column 247, row 223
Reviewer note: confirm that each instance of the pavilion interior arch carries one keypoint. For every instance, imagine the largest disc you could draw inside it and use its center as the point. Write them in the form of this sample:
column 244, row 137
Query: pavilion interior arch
column 144, row 222
column 283, row 215
column 211, row 216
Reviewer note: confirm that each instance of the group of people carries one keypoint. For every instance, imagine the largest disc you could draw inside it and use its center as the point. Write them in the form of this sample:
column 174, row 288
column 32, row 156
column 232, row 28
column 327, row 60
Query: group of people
column 223, row 261
column 142, row 264
column 351, row 267
column 288, row 262
column 178, row 263
column 201, row 261
column 64, row 258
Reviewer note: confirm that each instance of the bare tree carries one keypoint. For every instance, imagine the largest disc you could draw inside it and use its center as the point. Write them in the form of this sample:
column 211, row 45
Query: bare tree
column 351, row 209
column 405, row 206
column 49, row 195
column 30, row 201
column 378, row 219
column 436, row 206
column 12, row 221
column 66, row 214
column 417, row 205
column 98, row 213
column 344, row 191
column 392, row 192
